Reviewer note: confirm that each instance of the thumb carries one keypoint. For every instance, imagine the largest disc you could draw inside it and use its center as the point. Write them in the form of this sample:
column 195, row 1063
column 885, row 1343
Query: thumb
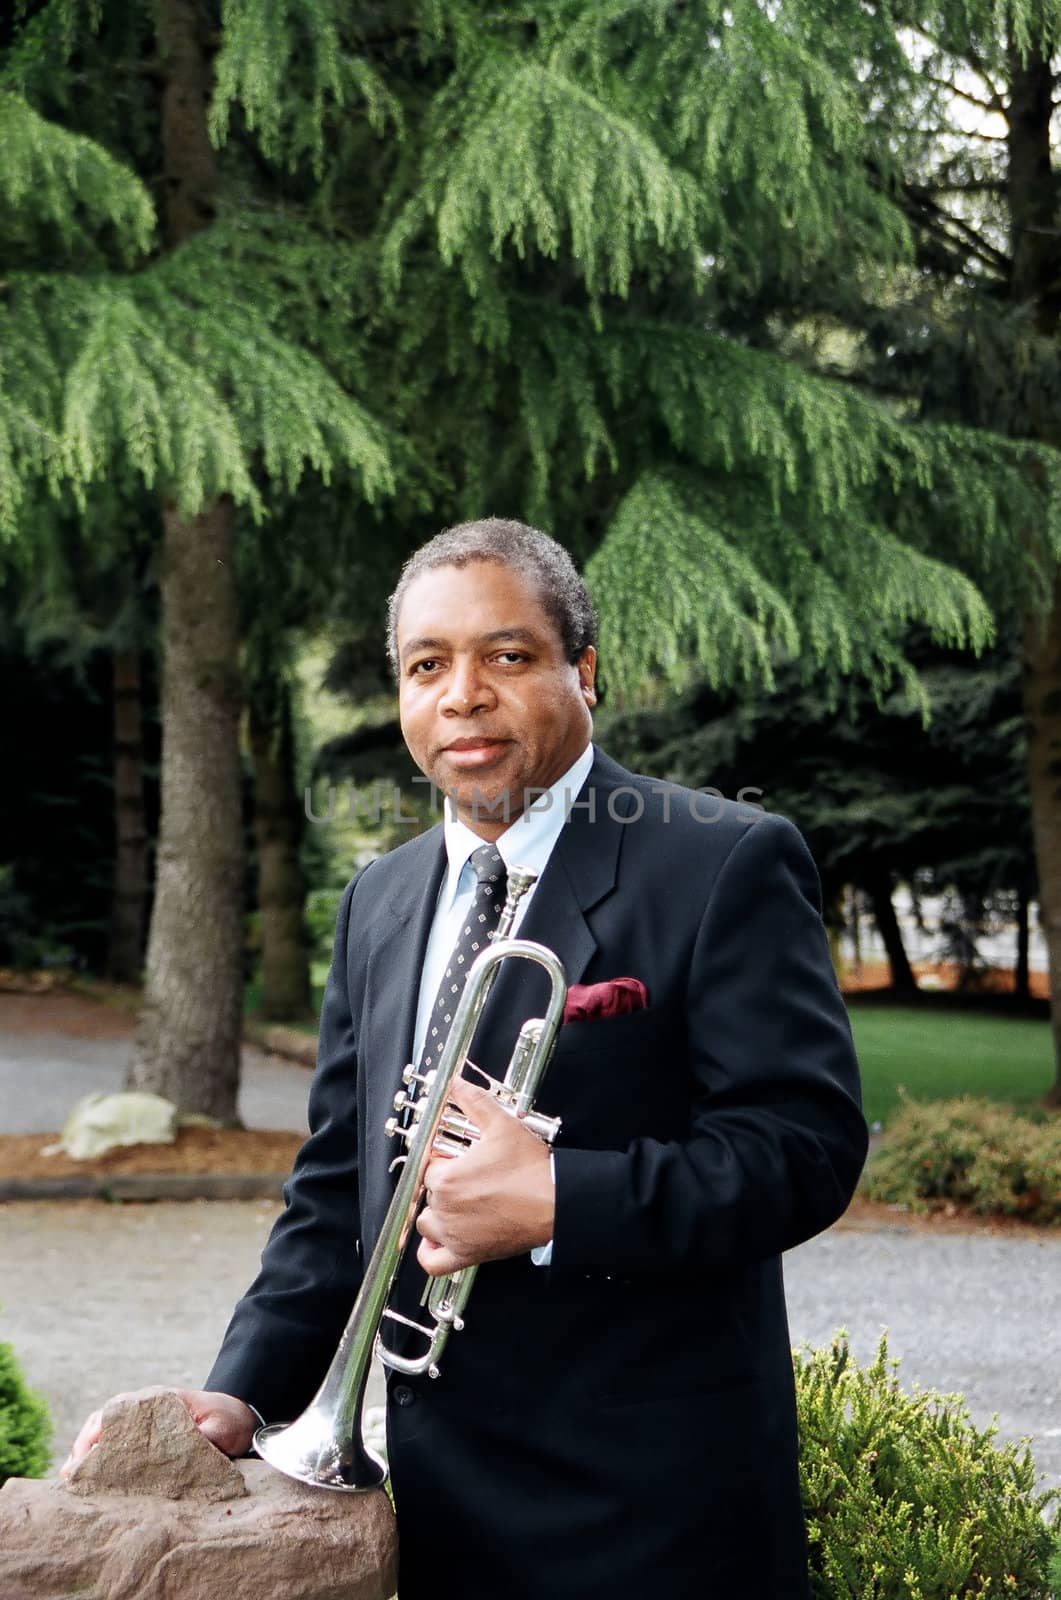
column 227, row 1422
column 216, row 1428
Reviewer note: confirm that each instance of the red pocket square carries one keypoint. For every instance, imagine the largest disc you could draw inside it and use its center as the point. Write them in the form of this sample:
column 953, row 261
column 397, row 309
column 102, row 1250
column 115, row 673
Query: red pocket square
column 586, row 1002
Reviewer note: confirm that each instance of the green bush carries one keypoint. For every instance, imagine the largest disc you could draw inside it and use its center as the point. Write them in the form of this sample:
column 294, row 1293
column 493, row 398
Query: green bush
column 25, row 1427
column 905, row 1499
column 1055, row 1570
column 322, row 908
column 971, row 1153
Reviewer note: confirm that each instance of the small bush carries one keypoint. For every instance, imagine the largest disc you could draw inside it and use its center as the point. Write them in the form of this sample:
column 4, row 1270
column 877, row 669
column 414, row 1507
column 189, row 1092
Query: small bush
column 905, row 1499
column 970, row 1153
column 25, row 1427
column 322, row 908
column 1055, row 1570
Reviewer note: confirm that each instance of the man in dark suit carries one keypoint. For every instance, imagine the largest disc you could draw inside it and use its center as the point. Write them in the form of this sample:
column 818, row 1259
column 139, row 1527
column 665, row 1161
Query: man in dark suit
column 617, row 1417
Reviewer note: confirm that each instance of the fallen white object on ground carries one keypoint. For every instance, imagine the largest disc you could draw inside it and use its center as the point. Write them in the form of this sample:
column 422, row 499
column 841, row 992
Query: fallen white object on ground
column 102, row 1122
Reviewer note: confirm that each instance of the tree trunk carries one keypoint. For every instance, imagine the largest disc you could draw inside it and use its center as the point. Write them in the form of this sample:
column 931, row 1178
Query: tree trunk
column 879, row 889
column 125, row 949
column 187, row 1043
column 1021, row 973
column 1035, row 283
column 1042, row 712
column 281, row 888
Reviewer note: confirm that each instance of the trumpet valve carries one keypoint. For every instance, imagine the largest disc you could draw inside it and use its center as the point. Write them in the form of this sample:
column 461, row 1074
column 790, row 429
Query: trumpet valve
column 411, row 1076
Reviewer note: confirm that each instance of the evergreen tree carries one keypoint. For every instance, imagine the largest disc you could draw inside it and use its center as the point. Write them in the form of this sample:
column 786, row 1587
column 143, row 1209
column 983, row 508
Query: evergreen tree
column 969, row 332
column 561, row 250
column 136, row 357
column 882, row 796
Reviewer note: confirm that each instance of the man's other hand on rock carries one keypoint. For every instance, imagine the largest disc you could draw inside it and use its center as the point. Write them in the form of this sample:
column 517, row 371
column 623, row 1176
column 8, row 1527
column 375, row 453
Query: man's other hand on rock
column 227, row 1422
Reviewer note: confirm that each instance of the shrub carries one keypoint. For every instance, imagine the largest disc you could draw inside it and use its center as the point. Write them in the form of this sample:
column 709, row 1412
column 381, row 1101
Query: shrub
column 25, row 1427
column 905, row 1499
column 322, row 908
column 971, row 1153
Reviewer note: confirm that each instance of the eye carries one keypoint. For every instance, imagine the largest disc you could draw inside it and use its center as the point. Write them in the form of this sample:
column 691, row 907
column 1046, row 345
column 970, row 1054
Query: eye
column 420, row 668
column 511, row 657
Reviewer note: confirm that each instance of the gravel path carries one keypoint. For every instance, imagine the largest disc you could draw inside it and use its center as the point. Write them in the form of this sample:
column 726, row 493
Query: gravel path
column 97, row 1298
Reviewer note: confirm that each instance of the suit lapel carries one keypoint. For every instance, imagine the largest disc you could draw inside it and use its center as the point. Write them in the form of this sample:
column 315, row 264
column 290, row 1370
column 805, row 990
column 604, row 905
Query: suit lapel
column 580, row 873
column 396, row 963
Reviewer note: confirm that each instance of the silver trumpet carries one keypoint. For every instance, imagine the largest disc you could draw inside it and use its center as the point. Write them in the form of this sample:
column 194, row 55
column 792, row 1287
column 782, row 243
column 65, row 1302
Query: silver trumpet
column 325, row 1445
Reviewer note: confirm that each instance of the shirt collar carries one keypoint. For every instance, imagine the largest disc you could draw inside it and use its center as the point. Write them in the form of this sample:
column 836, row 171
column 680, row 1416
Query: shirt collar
column 529, row 841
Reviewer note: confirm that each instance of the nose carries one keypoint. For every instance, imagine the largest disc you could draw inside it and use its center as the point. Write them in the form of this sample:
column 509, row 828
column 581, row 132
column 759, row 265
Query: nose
column 466, row 691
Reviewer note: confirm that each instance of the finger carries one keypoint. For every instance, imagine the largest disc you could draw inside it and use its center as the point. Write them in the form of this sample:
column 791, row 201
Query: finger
column 426, row 1225
column 89, row 1435
column 479, row 1104
column 437, row 1259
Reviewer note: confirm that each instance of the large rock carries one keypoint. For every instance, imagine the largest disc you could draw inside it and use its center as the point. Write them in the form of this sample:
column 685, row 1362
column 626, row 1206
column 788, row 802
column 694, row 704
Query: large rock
column 102, row 1122
column 155, row 1512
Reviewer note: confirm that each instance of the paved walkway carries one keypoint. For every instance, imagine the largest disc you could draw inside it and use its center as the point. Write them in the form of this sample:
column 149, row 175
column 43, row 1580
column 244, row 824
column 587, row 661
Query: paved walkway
column 96, row 1298
column 44, row 1073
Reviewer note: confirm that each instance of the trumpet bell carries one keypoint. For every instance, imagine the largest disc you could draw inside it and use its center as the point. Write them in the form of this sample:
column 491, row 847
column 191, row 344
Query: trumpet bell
column 310, row 1451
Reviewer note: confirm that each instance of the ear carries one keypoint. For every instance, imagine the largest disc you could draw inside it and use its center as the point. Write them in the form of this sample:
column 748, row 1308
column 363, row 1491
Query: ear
column 587, row 675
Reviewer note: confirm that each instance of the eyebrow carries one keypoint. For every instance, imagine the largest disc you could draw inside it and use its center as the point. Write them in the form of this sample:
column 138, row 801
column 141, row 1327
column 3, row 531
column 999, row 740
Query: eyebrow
column 517, row 635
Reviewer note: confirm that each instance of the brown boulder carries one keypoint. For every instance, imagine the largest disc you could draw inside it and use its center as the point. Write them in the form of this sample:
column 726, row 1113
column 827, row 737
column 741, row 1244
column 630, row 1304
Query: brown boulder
column 155, row 1512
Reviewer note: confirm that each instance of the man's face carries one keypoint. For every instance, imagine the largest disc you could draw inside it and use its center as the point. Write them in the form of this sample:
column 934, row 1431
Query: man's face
column 490, row 706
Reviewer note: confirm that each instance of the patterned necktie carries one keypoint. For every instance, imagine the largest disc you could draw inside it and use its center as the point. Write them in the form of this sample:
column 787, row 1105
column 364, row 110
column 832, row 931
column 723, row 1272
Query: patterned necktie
column 480, row 922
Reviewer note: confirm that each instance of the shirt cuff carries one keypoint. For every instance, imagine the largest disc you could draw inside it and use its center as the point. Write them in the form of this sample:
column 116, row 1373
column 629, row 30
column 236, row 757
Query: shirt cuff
column 250, row 1450
column 542, row 1254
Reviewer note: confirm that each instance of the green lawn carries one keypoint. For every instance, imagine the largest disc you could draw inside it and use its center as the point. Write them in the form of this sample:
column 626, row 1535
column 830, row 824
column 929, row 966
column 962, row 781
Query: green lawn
column 938, row 1055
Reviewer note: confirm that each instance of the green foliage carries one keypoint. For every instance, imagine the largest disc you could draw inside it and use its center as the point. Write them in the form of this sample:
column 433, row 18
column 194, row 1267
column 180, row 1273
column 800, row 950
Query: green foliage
column 461, row 258
column 709, row 582
column 322, row 908
column 187, row 375
column 548, row 130
column 53, row 177
column 904, row 1498
column 25, row 1428
column 875, row 790
column 1055, row 1571
column 288, row 67
column 174, row 378
column 970, row 1153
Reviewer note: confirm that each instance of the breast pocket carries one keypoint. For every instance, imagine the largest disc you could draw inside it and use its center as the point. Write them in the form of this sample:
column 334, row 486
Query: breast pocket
column 616, row 1078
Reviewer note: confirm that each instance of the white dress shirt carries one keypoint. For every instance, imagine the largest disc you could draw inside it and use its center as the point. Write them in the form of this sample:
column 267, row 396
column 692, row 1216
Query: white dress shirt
column 527, row 842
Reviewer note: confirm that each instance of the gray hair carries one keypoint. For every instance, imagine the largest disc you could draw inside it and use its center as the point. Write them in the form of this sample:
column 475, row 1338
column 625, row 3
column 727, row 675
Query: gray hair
column 534, row 555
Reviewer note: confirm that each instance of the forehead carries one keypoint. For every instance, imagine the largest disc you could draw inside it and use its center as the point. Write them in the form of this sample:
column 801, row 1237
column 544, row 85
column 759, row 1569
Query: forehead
column 462, row 604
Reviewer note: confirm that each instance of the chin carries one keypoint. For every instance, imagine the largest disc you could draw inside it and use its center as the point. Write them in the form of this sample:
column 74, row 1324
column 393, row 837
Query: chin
column 486, row 799
column 490, row 806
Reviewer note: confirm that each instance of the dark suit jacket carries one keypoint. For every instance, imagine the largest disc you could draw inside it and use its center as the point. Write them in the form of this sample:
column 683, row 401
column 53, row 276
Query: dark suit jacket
column 621, row 1422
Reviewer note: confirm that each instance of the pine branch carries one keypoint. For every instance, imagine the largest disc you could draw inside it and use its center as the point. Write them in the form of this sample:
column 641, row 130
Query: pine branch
column 992, row 105
column 67, row 176
column 953, row 230
column 979, row 135
column 974, row 186
column 967, row 53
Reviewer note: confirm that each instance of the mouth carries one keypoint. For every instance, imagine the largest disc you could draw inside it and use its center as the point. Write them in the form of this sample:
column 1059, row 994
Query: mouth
column 470, row 753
